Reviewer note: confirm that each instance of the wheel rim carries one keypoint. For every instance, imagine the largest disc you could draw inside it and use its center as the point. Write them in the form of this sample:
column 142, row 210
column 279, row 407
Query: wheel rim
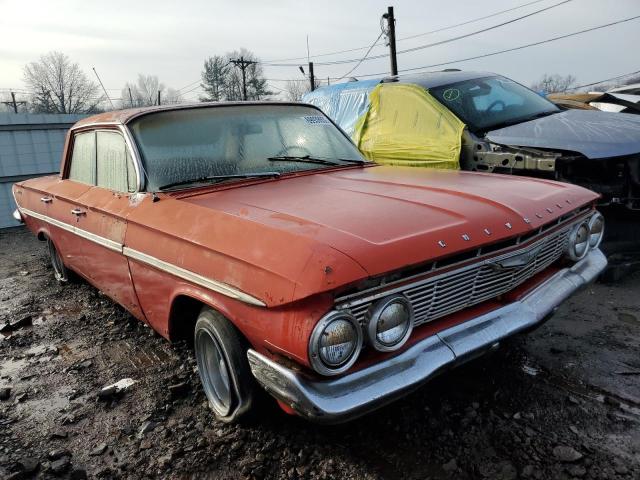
column 56, row 262
column 214, row 372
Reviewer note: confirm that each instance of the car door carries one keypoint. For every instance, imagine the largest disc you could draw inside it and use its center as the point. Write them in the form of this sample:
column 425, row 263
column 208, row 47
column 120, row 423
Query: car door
column 103, row 216
column 57, row 204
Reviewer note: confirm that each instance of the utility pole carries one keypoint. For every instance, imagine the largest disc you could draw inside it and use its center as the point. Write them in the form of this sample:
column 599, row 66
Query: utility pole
column 391, row 35
column 311, row 77
column 13, row 103
column 243, row 64
column 130, row 97
column 158, row 97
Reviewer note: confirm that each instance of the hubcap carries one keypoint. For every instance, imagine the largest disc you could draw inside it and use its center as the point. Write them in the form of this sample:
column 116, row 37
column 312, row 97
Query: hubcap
column 214, row 372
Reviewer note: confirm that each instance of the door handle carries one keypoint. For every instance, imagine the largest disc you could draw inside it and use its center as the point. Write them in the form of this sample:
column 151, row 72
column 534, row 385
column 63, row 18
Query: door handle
column 77, row 212
column 46, row 199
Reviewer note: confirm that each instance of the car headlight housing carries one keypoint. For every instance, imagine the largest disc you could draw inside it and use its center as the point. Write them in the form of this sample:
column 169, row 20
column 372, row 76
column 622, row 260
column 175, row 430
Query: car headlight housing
column 335, row 343
column 578, row 246
column 390, row 323
column 596, row 230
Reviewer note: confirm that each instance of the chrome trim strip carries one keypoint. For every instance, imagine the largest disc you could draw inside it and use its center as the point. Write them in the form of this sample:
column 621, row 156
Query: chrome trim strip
column 352, row 395
column 105, row 242
column 192, row 277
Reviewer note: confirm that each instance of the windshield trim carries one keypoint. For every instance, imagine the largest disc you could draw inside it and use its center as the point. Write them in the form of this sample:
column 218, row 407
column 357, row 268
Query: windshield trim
column 144, row 178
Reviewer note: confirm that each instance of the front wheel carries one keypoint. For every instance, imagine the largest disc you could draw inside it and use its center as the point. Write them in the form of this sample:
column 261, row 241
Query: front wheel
column 221, row 354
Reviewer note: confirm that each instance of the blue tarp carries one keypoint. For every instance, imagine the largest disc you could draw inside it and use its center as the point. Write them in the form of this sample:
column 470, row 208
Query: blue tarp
column 344, row 103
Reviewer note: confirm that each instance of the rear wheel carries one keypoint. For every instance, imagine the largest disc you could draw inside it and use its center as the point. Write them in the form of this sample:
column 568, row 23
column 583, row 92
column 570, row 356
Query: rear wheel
column 60, row 272
column 221, row 354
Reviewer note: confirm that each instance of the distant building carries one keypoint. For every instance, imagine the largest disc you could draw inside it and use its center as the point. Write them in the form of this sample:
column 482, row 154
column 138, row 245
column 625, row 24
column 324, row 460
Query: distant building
column 30, row 145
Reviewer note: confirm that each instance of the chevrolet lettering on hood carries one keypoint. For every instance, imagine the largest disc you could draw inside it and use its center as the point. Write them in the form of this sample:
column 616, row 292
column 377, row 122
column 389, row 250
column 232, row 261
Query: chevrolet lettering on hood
column 259, row 233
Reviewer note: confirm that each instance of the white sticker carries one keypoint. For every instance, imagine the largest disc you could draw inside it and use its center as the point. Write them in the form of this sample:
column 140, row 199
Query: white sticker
column 316, row 120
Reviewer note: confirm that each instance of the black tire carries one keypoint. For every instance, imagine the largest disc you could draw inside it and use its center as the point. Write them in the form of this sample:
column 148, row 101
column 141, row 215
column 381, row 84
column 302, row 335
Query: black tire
column 60, row 271
column 221, row 354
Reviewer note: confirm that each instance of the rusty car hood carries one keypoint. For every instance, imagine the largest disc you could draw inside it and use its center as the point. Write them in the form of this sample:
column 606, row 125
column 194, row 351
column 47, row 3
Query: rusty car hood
column 386, row 218
column 594, row 134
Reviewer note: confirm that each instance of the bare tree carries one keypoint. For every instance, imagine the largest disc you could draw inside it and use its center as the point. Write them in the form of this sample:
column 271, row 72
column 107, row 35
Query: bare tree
column 60, row 86
column 554, row 83
column 144, row 92
column 295, row 89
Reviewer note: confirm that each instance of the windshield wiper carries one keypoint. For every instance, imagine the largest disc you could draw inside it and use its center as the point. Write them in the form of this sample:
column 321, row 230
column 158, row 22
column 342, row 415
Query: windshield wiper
column 219, row 178
column 310, row 159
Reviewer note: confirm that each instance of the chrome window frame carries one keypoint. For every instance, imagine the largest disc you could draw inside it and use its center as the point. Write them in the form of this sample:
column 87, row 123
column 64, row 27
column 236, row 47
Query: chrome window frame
column 128, row 140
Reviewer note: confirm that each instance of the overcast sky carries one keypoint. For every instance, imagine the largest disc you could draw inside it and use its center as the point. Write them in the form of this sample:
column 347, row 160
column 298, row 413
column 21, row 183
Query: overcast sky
column 171, row 39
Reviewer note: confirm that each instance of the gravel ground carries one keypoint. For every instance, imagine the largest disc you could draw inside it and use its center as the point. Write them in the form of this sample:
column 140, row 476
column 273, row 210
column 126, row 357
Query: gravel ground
column 561, row 402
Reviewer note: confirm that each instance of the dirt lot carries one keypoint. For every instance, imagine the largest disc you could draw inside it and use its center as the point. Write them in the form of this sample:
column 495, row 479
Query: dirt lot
column 562, row 402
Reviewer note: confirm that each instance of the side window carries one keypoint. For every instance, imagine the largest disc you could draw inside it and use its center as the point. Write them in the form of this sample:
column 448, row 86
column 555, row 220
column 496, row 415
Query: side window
column 83, row 158
column 115, row 166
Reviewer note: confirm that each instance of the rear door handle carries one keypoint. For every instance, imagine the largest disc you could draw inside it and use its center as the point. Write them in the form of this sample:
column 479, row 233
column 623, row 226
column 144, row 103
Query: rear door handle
column 46, row 199
column 77, row 212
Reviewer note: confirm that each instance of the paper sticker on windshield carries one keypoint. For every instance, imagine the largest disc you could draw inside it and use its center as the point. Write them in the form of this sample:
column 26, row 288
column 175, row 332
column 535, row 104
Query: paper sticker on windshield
column 451, row 94
column 316, row 120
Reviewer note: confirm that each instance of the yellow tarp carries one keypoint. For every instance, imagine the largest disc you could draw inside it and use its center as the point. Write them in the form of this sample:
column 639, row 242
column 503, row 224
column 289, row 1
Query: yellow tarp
column 406, row 126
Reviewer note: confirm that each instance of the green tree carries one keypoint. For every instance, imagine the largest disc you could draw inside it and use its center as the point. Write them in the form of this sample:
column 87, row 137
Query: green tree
column 222, row 80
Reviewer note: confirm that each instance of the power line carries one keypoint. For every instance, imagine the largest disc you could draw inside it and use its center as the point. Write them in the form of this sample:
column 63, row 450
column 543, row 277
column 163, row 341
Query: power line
column 521, row 47
column 470, row 21
column 429, row 45
column 363, row 58
column 602, row 81
column 442, row 29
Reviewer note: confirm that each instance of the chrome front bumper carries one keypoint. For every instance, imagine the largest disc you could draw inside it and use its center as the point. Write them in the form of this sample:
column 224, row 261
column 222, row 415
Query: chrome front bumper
column 341, row 399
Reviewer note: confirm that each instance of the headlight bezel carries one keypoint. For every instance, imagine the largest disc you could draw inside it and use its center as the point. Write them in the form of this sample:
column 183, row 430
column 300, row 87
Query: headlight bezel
column 597, row 216
column 573, row 237
column 374, row 315
column 315, row 357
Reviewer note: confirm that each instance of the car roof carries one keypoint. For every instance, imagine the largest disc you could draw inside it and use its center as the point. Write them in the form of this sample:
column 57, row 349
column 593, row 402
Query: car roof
column 437, row 79
column 121, row 117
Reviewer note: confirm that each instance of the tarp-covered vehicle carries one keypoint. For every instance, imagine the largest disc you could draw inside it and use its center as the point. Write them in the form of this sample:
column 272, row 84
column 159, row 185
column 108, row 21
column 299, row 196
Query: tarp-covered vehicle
column 486, row 122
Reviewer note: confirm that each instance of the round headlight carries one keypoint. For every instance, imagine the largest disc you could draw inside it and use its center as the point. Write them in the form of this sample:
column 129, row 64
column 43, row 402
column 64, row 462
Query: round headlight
column 578, row 242
column 596, row 230
column 390, row 323
column 335, row 343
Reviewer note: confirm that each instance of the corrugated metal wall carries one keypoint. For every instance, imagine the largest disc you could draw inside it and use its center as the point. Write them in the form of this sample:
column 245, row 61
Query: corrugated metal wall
column 30, row 145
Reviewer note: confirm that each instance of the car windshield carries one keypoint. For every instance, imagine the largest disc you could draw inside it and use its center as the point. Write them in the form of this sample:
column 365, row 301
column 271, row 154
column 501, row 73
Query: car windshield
column 193, row 145
column 492, row 102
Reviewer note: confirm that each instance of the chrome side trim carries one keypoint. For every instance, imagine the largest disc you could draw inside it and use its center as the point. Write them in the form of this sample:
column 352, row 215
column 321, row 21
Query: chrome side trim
column 105, row 242
column 347, row 397
column 192, row 277
column 188, row 275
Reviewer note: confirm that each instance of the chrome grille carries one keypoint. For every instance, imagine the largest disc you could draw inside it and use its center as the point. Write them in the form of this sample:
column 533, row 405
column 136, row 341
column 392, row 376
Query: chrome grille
column 452, row 291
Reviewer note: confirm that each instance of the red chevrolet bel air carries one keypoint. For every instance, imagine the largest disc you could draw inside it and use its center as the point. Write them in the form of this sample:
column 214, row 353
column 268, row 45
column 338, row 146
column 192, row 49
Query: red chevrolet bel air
column 258, row 231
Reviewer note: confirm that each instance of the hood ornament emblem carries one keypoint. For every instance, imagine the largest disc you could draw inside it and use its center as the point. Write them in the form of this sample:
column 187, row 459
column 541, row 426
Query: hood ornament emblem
column 442, row 243
column 516, row 261
column 487, row 231
column 508, row 225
